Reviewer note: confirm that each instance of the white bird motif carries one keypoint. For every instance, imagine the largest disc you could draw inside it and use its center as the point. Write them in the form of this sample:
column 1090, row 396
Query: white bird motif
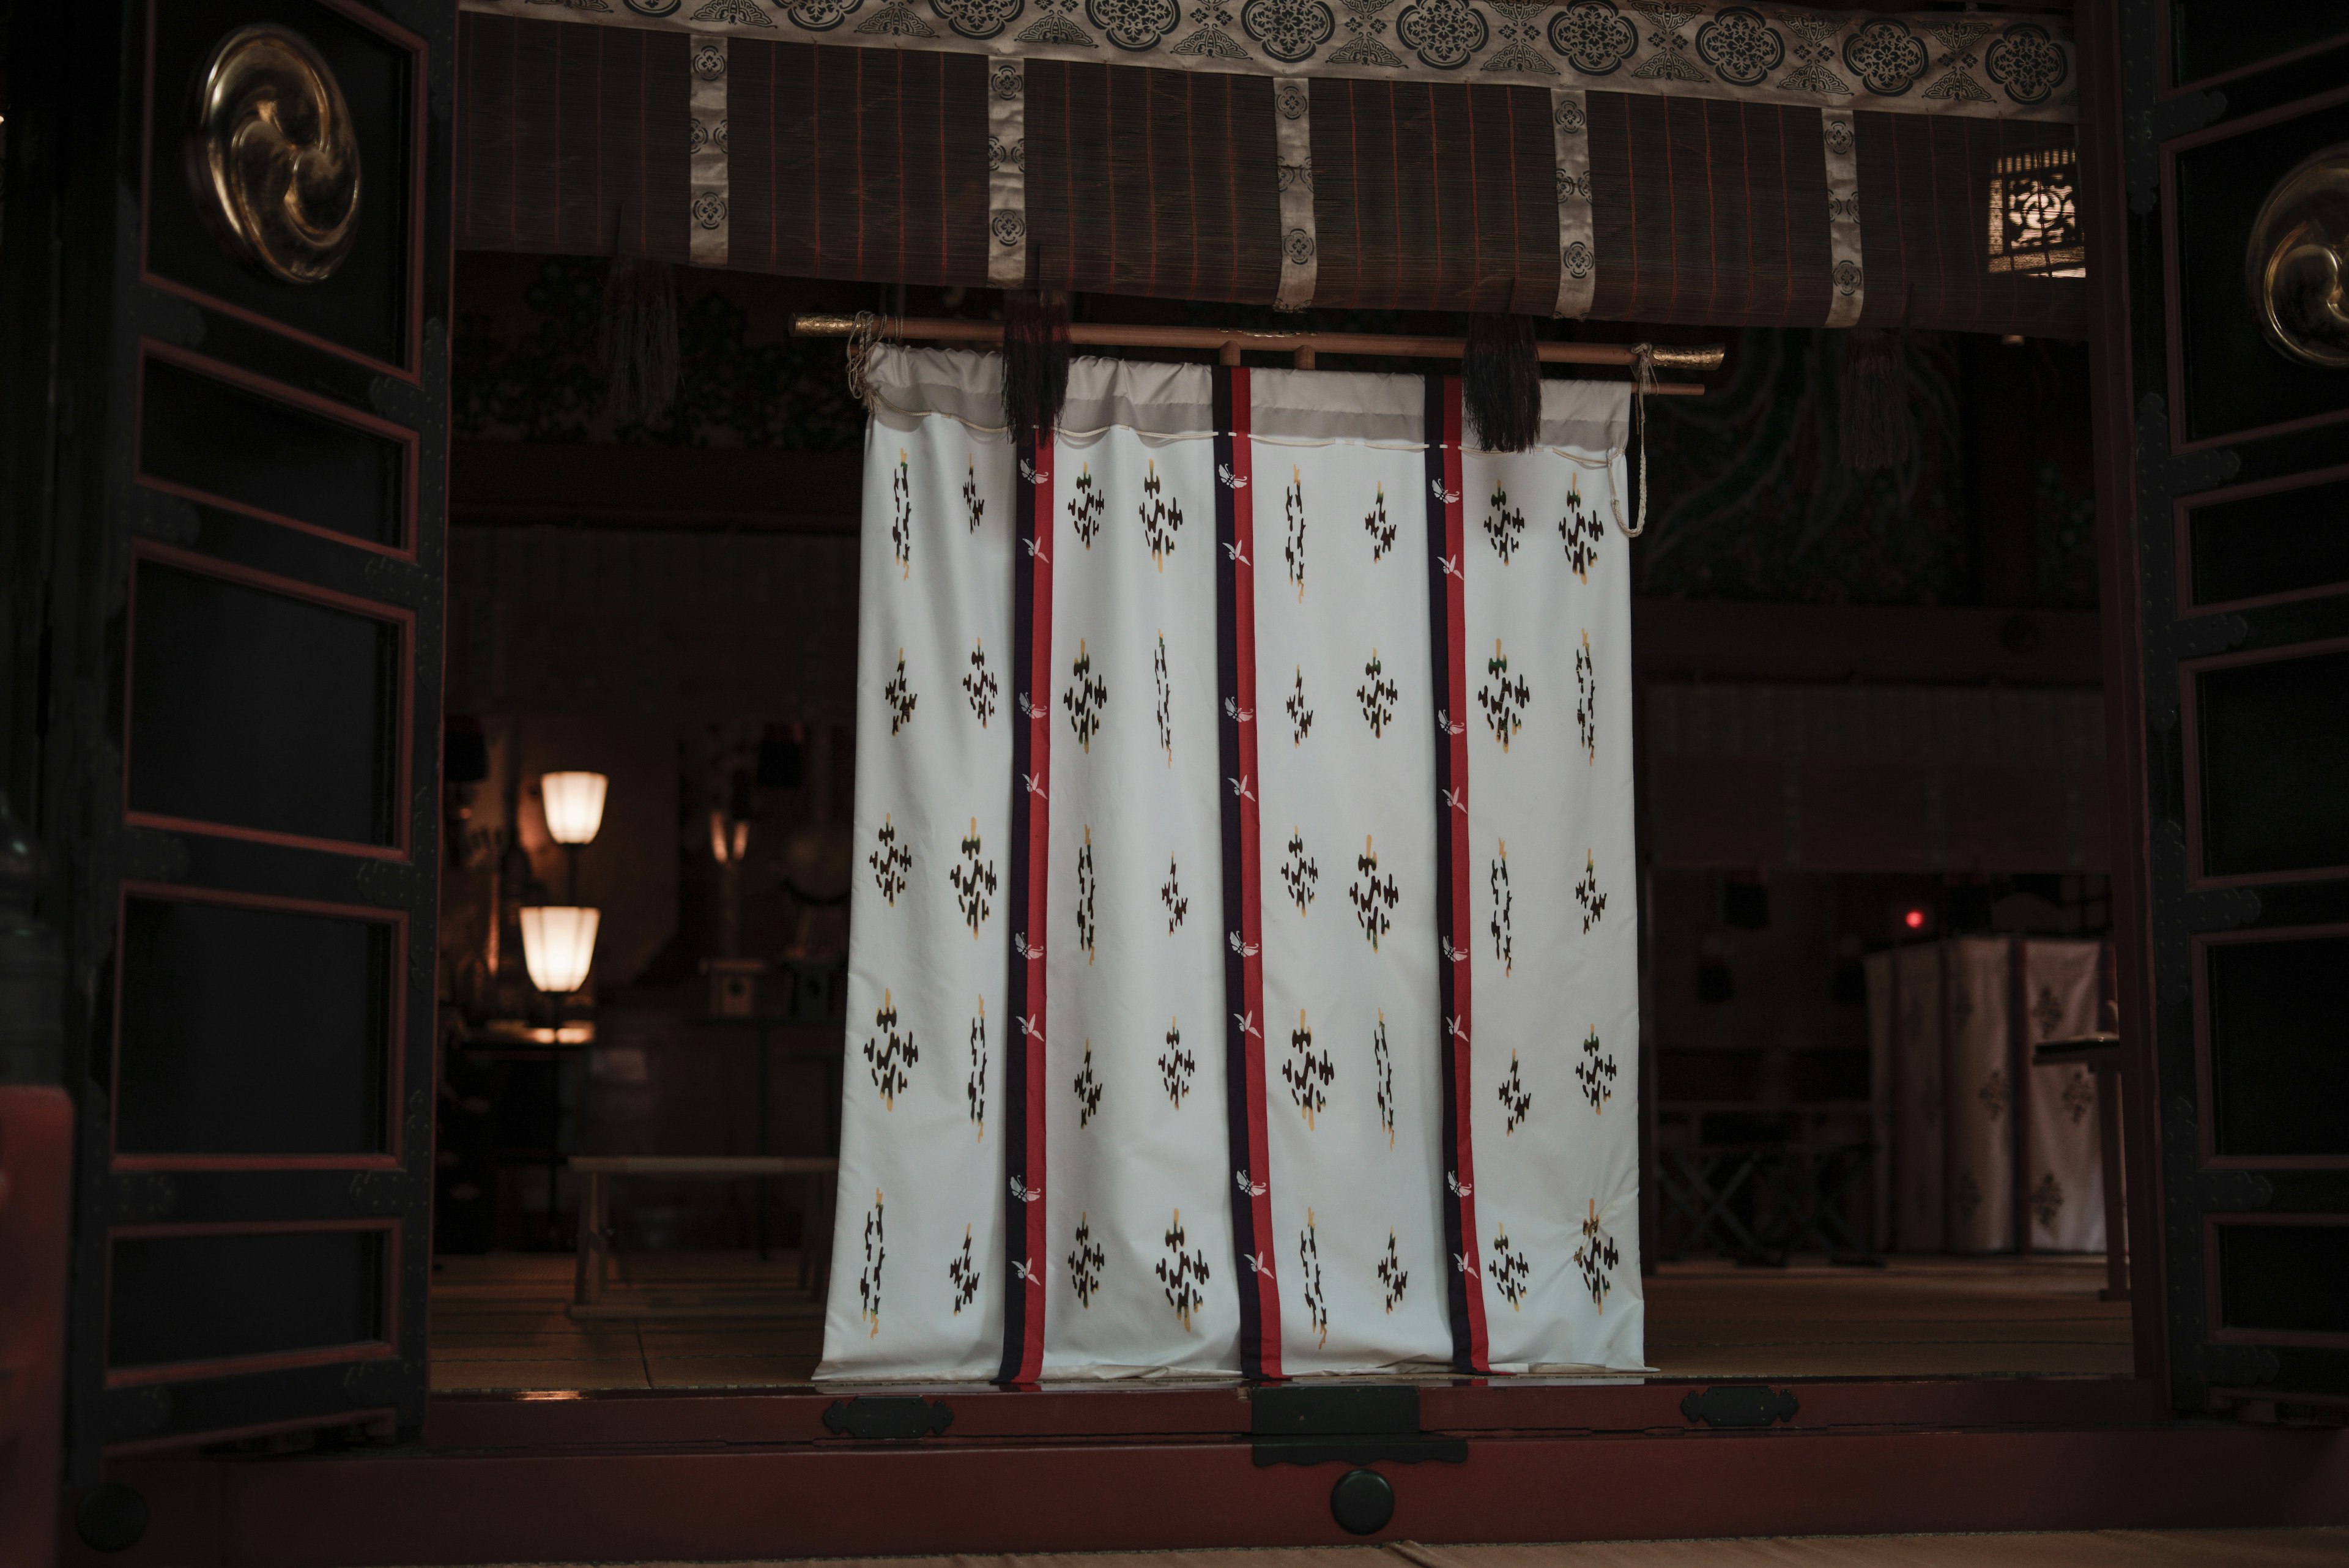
column 1020, row 945
column 1240, row 787
column 1452, row 1180
column 1453, row 954
column 1031, row 710
column 1245, row 950
column 1237, row 553
column 1231, row 481
column 1025, row 1193
column 1452, row 563
column 1030, row 1028
column 1028, row 472
column 1247, row 1021
column 1464, row 1265
column 1453, row 798
column 1449, row 498
column 1253, row 1189
column 1036, row 548
column 1445, row 726
column 1232, row 707
column 1256, row 1262
column 1035, row 783
column 1452, row 1027
column 1025, row 1269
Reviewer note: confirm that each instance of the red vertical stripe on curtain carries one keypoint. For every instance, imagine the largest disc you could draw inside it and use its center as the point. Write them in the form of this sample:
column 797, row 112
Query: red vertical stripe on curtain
column 1024, row 1067
column 1447, row 633
column 1255, row 1266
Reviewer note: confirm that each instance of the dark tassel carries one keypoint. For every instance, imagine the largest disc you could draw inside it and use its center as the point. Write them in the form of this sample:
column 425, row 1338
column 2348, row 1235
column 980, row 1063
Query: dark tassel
column 1874, row 414
column 639, row 338
column 1035, row 358
column 1500, row 382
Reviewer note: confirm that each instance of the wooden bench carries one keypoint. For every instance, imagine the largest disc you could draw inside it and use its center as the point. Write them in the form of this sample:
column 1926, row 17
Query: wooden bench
column 596, row 1172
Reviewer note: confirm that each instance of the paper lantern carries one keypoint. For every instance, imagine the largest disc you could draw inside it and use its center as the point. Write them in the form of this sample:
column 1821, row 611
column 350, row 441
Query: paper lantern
column 558, row 944
column 574, row 804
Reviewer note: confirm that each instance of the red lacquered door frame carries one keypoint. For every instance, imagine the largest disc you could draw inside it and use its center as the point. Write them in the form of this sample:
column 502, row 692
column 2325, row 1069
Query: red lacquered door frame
column 36, row 1243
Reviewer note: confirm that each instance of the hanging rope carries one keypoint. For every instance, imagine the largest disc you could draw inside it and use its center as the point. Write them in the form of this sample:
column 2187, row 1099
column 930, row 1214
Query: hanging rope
column 1643, row 379
column 862, row 336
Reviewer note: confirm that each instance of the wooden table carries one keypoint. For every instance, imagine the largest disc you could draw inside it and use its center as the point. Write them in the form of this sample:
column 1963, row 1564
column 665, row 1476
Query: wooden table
column 2101, row 1054
column 594, row 1210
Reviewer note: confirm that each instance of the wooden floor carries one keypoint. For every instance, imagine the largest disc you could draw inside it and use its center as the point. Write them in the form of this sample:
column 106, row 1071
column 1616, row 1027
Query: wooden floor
column 499, row 1323
column 1915, row 1317
column 2304, row 1548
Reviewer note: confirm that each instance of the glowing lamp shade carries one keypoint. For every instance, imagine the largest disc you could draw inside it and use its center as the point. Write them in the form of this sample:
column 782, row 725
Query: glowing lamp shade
column 574, row 804
column 558, row 944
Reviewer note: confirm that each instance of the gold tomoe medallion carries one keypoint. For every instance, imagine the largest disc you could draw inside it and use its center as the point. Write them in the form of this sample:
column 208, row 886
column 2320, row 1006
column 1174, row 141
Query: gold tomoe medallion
column 2298, row 263
column 272, row 160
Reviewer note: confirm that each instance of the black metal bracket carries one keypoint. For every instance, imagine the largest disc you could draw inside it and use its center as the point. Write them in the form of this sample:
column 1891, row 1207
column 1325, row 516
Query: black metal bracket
column 1347, row 1424
column 1748, row 1405
column 887, row 1417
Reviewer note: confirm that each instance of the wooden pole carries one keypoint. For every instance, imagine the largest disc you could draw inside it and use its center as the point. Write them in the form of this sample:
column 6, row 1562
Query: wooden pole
column 1228, row 343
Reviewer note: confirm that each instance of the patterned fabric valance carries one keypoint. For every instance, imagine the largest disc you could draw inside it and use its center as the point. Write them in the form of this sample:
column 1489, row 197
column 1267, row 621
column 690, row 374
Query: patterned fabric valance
column 962, row 168
column 1991, row 66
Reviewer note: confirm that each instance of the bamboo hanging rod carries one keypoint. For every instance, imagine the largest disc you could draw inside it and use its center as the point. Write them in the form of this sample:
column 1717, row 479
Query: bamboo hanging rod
column 1230, row 341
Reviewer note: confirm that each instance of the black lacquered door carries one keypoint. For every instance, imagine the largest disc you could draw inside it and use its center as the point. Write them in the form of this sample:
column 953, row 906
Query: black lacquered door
column 245, row 256
column 2236, row 185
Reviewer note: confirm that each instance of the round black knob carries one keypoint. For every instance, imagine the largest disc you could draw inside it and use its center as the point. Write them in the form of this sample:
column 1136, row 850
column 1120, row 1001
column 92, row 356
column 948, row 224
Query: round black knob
column 1361, row 1502
column 112, row 1518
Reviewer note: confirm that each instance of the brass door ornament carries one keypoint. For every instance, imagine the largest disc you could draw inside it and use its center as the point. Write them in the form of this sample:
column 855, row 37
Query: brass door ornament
column 271, row 155
column 2297, row 259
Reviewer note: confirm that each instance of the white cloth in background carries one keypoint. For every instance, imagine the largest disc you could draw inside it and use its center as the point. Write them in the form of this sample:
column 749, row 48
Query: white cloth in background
column 1133, row 1111
column 1920, row 1146
column 1877, row 968
column 2066, row 1175
column 1942, row 1016
column 1978, row 1085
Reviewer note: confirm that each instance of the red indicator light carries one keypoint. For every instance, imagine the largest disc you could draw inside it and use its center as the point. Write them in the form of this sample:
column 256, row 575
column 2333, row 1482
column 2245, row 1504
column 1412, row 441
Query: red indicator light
column 1915, row 919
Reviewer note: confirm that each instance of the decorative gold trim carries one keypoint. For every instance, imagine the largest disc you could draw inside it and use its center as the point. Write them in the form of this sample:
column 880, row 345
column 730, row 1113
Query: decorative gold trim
column 2298, row 249
column 272, row 159
column 2010, row 66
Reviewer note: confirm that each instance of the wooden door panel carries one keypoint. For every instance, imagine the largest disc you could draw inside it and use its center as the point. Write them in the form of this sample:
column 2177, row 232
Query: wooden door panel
column 237, row 742
column 2263, row 544
column 2206, row 43
column 265, row 709
column 2236, row 712
column 255, row 1028
column 2225, row 378
column 330, row 469
column 2267, row 1021
column 372, row 307
column 2267, row 753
